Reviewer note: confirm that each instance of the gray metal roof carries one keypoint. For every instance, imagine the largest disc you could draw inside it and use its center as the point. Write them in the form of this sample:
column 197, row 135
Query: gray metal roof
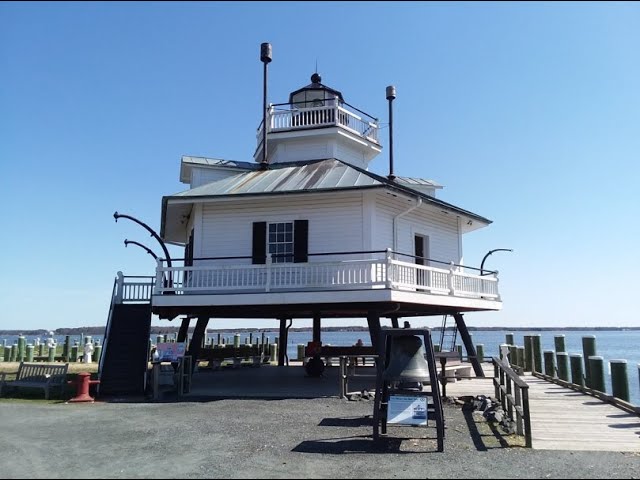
column 279, row 178
column 412, row 181
column 299, row 177
column 219, row 162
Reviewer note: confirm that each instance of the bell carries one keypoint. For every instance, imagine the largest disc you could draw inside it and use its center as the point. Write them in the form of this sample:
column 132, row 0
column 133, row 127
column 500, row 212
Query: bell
column 406, row 362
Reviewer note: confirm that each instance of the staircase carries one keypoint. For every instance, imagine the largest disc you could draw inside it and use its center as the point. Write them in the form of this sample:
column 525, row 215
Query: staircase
column 125, row 354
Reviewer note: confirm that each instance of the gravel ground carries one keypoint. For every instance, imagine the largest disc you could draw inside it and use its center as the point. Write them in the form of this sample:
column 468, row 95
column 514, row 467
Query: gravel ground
column 235, row 438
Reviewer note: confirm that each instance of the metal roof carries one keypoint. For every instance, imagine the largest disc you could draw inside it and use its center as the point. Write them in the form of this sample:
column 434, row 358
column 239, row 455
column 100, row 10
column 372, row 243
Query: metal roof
column 279, row 178
column 219, row 162
column 298, row 177
column 411, row 181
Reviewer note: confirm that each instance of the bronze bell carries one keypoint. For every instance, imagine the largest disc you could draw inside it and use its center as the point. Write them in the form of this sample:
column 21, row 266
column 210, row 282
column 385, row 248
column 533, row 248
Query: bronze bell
column 406, row 361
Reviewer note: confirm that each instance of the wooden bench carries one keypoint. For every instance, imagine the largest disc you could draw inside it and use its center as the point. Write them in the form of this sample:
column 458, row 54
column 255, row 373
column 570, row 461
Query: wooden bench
column 215, row 356
column 37, row 375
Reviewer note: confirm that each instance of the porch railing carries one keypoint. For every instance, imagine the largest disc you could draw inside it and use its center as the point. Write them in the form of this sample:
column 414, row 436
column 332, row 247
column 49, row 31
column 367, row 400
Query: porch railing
column 281, row 119
column 133, row 289
column 211, row 276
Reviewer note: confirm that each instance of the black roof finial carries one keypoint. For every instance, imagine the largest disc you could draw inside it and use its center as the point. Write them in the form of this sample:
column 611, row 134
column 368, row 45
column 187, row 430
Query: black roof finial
column 315, row 78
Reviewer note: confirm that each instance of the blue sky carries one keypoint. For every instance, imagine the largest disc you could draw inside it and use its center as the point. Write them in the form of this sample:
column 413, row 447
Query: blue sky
column 528, row 113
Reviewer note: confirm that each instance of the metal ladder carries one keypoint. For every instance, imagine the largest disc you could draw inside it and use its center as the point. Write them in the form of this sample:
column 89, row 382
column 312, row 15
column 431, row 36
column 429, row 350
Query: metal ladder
column 448, row 336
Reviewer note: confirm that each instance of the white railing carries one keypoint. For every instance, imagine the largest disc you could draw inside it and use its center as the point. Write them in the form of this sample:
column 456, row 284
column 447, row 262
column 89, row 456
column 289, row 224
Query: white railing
column 133, row 289
column 272, row 277
column 317, row 276
column 323, row 116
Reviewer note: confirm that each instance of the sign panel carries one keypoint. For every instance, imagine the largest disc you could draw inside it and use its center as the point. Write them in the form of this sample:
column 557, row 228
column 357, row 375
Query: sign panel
column 170, row 352
column 407, row 410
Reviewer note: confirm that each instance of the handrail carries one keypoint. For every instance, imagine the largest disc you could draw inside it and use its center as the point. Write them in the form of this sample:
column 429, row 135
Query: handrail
column 513, row 399
column 107, row 330
column 488, row 272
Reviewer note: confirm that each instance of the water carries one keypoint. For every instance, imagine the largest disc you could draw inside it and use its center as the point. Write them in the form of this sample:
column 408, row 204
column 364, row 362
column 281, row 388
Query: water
column 619, row 344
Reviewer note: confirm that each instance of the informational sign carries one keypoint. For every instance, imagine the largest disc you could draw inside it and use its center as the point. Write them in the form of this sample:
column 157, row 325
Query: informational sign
column 170, row 352
column 407, row 410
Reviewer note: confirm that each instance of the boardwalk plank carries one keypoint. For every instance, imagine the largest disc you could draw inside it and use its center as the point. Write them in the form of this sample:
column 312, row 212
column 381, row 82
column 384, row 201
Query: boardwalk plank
column 563, row 419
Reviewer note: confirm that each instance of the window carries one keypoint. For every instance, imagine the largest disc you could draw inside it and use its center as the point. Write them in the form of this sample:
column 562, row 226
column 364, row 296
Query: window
column 280, row 242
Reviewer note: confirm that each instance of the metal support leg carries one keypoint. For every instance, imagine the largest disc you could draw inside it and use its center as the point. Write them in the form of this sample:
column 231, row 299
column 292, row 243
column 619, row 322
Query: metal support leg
column 196, row 341
column 468, row 344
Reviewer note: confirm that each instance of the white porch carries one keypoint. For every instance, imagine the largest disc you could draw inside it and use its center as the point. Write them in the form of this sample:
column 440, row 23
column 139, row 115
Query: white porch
column 352, row 278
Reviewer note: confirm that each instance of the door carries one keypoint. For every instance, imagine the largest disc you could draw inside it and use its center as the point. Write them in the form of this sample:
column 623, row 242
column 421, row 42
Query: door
column 421, row 252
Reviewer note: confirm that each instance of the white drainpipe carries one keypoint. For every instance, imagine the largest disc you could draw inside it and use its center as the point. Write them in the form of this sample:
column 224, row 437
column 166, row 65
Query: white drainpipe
column 395, row 222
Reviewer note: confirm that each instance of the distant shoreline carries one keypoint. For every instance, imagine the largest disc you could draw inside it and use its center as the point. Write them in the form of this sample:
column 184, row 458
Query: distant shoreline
column 166, row 330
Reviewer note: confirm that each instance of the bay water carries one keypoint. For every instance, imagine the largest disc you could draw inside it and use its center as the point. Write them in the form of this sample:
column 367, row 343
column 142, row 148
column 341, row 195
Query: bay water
column 610, row 344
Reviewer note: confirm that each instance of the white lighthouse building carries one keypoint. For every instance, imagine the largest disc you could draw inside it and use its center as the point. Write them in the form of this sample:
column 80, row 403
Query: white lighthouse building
column 305, row 230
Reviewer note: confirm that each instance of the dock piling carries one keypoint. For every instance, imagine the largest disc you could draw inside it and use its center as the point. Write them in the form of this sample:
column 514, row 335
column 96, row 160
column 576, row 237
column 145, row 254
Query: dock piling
column 588, row 350
column 549, row 363
column 562, row 359
column 577, row 374
column 558, row 341
column 596, row 373
column 619, row 379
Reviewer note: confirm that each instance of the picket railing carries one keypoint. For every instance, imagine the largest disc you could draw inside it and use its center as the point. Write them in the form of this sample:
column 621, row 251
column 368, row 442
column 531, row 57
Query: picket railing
column 213, row 276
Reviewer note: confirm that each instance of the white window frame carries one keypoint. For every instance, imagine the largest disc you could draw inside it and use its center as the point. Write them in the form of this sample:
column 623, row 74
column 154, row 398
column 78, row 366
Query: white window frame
column 281, row 241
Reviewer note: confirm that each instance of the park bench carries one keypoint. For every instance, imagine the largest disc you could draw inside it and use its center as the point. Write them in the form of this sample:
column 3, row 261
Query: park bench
column 215, row 356
column 36, row 375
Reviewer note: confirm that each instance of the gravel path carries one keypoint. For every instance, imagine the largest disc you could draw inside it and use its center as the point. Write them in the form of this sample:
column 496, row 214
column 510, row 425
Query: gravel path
column 317, row 438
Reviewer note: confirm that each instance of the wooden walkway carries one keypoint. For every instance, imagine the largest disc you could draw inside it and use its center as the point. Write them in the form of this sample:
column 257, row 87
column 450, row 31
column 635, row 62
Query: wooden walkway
column 563, row 419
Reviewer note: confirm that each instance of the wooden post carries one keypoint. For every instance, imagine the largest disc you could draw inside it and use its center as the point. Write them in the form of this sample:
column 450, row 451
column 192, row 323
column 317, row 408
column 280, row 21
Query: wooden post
column 480, row 352
column 30, row 351
column 66, row 350
column 520, row 357
column 528, row 353
column 596, row 369
column 527, row 417
column 588, row 350
column 619, row 380
column 22, row 344
column 577, row 375
column 509, row 339
column 549, row 363
column 513, row 355
column 562, row 359
column 52, row 354
column 558, row 341
column 537, row 353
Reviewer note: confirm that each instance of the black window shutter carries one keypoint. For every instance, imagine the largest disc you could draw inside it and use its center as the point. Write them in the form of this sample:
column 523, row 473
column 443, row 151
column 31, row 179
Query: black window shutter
column 301, row 241
column 259, row 243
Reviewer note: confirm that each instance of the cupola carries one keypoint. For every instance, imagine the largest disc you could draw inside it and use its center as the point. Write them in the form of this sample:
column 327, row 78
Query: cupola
column 315, row 124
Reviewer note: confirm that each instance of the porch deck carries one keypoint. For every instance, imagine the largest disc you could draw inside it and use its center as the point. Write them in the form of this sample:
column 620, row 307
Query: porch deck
column 341, row 284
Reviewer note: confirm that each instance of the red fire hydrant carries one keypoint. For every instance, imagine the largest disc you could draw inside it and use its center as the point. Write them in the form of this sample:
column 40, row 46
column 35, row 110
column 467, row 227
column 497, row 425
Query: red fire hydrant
column 82, row 392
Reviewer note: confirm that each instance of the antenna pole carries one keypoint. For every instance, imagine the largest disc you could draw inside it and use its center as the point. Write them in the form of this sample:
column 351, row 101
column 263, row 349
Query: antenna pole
column 265, row 58
column 391, row 95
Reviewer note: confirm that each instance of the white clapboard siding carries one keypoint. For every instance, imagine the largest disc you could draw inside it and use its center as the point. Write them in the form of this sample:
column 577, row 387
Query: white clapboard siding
column 441, row 229
column 203, row 175
column 335, row 223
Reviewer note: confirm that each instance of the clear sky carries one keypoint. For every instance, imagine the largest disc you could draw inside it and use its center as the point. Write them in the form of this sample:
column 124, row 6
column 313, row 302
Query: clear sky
column 528, row 114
